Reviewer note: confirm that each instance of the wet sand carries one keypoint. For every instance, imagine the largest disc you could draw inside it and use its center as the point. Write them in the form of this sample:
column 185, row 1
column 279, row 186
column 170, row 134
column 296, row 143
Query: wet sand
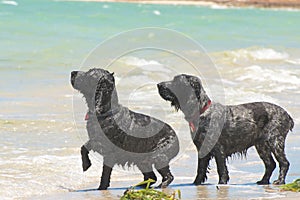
column 243, row 175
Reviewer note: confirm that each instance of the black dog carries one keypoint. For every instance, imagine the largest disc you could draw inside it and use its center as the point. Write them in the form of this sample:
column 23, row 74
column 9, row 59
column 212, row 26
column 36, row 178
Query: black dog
column 220, row 131
column 121, row 136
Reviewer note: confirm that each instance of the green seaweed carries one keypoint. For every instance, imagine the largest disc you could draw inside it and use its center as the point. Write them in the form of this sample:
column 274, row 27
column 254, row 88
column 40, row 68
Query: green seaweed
column 294, row 186
column 148, row 193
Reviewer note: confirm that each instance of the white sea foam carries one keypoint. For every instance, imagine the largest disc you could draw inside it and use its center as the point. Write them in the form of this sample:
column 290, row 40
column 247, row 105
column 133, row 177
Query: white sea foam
column 146, row 65
column 220, row 7
column 268, row 54
column 131, row 60
column 257, row 73
column 257, row 53
column 13, row 3
column 156, row 12
column 105, row 6
column 294, row 61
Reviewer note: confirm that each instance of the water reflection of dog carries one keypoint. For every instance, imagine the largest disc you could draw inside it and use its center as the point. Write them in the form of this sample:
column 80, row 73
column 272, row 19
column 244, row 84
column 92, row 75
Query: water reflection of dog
column 219, row 131
column 120, row 135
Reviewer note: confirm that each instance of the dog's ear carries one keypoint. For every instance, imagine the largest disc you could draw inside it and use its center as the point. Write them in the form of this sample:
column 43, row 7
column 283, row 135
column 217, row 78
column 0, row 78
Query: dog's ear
column 195, row 82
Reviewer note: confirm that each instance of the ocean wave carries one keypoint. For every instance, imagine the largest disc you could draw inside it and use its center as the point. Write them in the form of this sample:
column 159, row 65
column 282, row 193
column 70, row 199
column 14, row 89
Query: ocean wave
column 260, row 54
column 261, row 69
column 146, row 65
column 294, row 61
column 258, row 73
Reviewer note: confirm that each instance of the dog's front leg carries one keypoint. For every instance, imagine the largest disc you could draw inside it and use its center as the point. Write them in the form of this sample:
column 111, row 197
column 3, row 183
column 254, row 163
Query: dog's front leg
column 202, row 170
column 86, row 162
column 222, row 168
column 105, row 178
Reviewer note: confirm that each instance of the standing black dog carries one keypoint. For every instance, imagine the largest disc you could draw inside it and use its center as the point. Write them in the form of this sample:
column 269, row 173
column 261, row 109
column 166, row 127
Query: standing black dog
column 121, row 136
column 220, row 131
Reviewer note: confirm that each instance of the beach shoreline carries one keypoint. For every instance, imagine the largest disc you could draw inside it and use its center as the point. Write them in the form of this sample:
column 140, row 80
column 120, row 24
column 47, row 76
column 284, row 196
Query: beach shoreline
column 292, row 4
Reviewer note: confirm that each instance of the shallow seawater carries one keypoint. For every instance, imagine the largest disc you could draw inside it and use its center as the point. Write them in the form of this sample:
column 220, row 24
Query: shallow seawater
column 256, row 56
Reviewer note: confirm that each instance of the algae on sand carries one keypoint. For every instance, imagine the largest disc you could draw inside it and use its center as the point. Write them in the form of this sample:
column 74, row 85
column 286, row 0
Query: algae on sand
column 148, row 193
column 294, row 186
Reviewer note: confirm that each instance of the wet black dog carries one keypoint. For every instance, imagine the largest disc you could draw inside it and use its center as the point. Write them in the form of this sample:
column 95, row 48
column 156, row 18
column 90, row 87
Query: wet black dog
column 121, row 136
column 220, row 131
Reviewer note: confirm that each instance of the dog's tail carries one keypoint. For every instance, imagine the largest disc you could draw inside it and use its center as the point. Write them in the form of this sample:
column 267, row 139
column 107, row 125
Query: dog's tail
column 291, row 123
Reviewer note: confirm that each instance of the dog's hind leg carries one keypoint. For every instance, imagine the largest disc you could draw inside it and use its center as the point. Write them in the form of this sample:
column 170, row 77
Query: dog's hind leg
column 105, row 178
column 167, row 177
column 86, row 162
column 222, row 168
column 264, row 153
column 149, row 175
column 278, row 151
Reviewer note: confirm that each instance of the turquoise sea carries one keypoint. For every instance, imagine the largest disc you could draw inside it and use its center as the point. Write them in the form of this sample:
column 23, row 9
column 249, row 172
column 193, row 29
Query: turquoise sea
column 256, row 53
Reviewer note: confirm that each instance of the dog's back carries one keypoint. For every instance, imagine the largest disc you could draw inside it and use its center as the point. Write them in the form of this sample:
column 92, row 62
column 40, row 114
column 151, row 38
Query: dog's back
column 251, row 123
column 259, row 116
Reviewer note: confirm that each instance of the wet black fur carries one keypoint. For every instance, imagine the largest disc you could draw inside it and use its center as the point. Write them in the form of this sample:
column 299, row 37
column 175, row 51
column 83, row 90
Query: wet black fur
column 120, row 135
column 222, row 131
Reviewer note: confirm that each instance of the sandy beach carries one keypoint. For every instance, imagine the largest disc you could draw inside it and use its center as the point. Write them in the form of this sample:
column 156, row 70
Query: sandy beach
column 229, row 3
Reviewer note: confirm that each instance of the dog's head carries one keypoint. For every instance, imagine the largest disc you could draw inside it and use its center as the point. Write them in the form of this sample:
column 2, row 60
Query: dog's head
column 97, row 86
column 185, row 92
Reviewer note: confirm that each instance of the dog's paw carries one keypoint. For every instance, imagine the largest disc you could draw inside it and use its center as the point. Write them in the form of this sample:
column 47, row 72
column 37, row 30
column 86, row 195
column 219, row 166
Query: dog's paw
column 263, row 182
column 86, row 163
column 166, row 180
column 279, row 182
column 102, row 187
column 223, row 181
column 199, row 180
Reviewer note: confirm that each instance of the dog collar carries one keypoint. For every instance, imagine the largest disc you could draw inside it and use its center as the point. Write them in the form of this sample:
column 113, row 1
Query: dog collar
column 191, row 123
column 205, row 107
column 87, row 116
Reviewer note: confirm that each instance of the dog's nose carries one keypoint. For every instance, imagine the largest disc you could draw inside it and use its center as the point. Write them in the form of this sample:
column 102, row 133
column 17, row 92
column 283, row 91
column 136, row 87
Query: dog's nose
column 74, row 73
column 160, row 85
column 73, row 77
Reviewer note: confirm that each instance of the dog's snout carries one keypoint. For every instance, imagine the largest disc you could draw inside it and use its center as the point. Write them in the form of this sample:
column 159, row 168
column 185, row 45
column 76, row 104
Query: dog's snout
column 74, row 74
column 159, row 85
column 73, row 77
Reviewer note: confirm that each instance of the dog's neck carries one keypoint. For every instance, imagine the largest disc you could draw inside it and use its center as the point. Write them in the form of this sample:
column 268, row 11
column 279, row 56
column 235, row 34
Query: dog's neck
column 203, row 100
column 203, row 106
column 195, row 117
column 91, row 104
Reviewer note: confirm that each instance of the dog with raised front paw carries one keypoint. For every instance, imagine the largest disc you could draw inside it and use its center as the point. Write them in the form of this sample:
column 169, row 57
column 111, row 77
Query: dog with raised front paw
column 121, row 136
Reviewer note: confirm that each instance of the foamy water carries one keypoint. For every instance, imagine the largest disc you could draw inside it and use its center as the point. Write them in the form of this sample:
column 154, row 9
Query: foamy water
column 42, row 119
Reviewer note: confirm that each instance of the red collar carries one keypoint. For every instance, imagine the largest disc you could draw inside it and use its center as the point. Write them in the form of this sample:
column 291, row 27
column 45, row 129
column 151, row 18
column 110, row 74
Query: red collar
column 205, row 107
column 87, row 116
column 191, row 124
